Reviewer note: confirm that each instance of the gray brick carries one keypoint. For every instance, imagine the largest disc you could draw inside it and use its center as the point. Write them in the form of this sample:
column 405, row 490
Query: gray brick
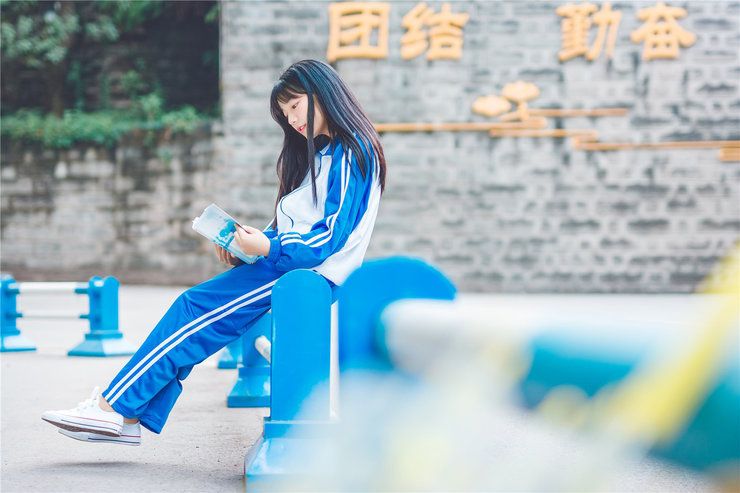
column 510, row 214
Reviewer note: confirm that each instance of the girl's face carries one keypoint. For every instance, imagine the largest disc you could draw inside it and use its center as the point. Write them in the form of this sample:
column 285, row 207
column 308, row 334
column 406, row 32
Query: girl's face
column 296, row 111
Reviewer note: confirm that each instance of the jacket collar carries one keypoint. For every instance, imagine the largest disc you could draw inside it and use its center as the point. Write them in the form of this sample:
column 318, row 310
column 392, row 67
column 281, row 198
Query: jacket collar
column 322, row 144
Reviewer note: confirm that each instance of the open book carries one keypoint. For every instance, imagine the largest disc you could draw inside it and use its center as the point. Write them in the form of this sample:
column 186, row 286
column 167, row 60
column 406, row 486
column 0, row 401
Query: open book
column 219, row 227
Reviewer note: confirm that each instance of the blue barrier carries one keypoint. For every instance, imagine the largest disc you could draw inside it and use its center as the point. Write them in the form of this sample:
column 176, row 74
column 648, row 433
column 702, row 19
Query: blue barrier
column 301, row 307
column 104, row 337
column 300, row 354
column 11, row 338
column 230, row 356
column 587, row 361
column 252, row 387
column 282, row 456
column 367, row 292
column 558, row 362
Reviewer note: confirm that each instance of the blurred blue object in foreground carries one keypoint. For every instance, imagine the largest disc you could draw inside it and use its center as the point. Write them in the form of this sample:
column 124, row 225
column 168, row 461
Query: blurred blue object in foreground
column 446, row 394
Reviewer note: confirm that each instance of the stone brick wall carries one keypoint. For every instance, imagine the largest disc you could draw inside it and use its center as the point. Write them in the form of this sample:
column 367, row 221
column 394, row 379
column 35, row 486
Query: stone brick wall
column 520, row 214
column 496, row 214
column 94, row 211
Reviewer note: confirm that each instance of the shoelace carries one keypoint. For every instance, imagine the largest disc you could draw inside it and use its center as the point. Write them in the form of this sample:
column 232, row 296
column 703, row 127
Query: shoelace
column 91, row 401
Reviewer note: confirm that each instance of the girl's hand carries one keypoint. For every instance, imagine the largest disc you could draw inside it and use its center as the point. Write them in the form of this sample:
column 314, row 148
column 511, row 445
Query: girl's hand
column 224, row 256
column 252, row 241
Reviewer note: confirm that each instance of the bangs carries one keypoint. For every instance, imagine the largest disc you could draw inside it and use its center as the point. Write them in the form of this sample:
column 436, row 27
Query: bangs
column 284, row 91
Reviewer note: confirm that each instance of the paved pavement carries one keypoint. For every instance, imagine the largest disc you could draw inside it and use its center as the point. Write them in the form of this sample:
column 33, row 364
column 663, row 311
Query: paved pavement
column 201, row 448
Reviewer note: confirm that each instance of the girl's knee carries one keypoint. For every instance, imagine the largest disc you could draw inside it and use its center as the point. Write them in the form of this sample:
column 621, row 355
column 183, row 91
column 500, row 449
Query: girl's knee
column 186, row 298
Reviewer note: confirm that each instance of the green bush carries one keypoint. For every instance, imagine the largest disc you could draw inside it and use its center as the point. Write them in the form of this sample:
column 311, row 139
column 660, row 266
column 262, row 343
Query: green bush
column 102, row 127
column 185, row 119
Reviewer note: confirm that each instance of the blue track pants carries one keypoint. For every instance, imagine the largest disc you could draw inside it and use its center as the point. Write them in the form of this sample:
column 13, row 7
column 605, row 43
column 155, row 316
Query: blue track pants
column 201, row 321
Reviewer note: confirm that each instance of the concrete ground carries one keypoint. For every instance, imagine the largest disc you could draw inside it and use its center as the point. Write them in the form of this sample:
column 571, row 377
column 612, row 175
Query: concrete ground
column 203, row 445
column 201, row 448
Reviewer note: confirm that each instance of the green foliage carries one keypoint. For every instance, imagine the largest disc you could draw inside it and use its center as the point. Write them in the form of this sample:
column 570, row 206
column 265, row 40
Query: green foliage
column 50, row 40
column 103, row 29
column 213, row 14
column 74, row 77
column 36, row 34
column 128, row 15
column 104, row 98
column 133, row 84
column 39, row 33
column 185, row 119
column 43, row 36
column 30, row 126
column 150, row 106
column 103, row 127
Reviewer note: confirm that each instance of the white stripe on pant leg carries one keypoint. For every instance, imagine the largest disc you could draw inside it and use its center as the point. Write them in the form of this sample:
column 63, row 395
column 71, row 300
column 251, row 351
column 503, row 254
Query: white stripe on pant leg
column 182, row 338
column 179, row 331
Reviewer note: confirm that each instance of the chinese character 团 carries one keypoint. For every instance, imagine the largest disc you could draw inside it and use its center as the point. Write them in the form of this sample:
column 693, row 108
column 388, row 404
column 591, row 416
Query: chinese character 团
column 575, row 28
column 661, row 33
column 351, row 26
column 446, row 33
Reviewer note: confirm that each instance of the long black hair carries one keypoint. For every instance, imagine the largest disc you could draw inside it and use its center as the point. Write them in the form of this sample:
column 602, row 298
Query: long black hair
column 342, row 112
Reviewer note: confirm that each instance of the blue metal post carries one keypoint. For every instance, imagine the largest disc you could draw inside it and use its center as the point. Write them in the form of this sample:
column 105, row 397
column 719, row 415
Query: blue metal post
column 231, row 356
column 104, row 338
column 11, row 338
column 301, row 339
column 366, row 293
column 252, row 387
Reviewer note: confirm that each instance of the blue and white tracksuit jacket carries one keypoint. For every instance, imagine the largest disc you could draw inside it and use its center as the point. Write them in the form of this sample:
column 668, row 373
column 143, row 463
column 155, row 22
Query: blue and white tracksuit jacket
column 330, row 238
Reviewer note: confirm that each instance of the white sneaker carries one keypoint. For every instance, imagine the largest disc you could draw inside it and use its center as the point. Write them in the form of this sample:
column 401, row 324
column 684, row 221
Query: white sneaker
column 87, row 416
column 130, row 435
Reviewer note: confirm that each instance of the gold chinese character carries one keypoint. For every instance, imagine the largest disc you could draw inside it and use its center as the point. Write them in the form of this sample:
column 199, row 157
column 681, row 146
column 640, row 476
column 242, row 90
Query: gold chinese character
column 575, row 28
column 520, row 92
column 491, row 105
column 607, row 20
column 445, row 34
column 661, row 32
column 351, row 26
column 414, row 42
